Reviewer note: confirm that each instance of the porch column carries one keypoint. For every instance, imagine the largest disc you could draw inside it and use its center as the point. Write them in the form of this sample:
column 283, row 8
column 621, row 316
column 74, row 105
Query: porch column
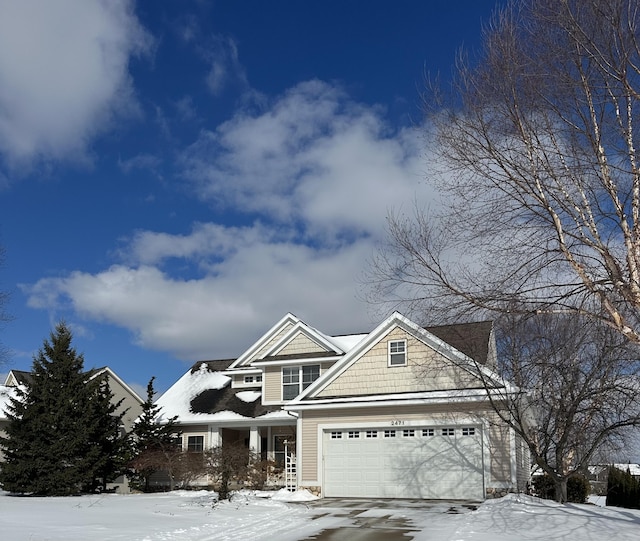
column 215, row 438
column 254, row 439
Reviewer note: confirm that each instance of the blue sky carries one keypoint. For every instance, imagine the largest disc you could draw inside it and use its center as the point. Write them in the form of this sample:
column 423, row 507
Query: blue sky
column 175, row 176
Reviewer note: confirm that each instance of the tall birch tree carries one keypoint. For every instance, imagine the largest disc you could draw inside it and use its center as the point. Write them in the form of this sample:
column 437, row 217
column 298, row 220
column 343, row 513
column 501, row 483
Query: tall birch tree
column 539, row 170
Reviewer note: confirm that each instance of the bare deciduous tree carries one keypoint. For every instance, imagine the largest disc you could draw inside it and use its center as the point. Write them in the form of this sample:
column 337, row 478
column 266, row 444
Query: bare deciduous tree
column 574, row 390
column 229, row 463
column 539, row 171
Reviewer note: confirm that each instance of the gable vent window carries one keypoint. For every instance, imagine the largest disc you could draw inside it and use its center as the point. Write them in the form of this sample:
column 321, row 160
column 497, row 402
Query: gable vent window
column 397, row 352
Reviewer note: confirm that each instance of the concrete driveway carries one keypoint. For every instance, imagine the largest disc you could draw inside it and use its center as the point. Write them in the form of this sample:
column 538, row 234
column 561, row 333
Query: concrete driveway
column 350, row 519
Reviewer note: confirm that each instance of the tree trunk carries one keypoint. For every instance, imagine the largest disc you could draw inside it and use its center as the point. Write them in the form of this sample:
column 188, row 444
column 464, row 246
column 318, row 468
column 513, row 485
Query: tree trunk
column 561, row 490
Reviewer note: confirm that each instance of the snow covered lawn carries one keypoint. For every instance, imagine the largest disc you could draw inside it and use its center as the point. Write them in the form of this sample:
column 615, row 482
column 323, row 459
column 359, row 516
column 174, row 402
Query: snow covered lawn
column 193, row 516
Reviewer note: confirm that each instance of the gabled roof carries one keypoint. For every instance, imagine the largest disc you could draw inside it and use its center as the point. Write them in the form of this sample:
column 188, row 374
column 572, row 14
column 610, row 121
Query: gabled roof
column 288, row 320
column 22, row 377
column 18, row 377
column 474, row 333
column 323, row 341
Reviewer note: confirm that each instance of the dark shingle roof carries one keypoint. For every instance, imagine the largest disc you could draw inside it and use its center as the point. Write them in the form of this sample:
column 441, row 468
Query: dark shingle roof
column 472, row 339
column 225, row 399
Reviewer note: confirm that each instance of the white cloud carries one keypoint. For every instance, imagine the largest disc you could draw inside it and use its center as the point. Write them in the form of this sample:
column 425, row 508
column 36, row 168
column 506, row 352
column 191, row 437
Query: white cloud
column 314, row 157
column 240, row 297
column 225, row 67
column 317, row 174
column 141, row 161
column 63, row 74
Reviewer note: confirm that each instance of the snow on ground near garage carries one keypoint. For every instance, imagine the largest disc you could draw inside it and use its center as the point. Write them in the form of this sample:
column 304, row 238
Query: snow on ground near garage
column 194, row 516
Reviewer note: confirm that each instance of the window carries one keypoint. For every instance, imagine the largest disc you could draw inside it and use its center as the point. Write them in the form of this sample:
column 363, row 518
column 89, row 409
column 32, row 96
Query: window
column 195, row 443
column 354, row 434
column 389, row 433
column 448, row 431
column 336, row 435
column 397, row 352
column 468, row 431
column 259, row 378
column 253, row 379
column 295, row 379
column 372, row 434
column 310, row 374
column 428, row 432
column 408, row 433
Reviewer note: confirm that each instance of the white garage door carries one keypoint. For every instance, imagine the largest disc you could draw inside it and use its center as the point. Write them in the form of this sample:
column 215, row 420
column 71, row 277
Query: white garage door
column 416, row 462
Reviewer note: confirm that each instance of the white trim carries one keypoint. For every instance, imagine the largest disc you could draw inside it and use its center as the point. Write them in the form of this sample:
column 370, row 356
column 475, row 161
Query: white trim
column 307, row 360
column 300, row 378
column 310, row 333
column 263, row 340
column 113, row 375
column 513, row 457
column 398, row 320
column 405, row 352
column 456, row 396
column 299, row 460
column 248, row 370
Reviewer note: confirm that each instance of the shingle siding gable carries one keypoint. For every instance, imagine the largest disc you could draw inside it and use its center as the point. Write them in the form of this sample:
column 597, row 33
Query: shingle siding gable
column 426, row 370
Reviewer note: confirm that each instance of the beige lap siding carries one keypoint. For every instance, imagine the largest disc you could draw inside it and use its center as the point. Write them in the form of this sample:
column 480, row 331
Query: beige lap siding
column 273, row 380
column 426, row 370
column 437, row 415
column 272, row 384
column 195, row 430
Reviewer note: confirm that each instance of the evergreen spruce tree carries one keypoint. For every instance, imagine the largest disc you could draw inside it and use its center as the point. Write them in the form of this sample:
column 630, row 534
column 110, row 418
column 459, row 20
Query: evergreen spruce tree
column 60, row 424
column 108, row 445
column 155, row 445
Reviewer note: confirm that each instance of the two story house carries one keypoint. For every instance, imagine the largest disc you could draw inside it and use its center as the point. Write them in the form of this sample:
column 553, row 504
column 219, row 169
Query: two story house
column 400, row 412
column 129, row 402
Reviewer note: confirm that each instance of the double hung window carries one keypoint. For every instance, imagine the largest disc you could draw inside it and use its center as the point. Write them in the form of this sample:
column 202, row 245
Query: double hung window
column 397, row 352
column 296, row 379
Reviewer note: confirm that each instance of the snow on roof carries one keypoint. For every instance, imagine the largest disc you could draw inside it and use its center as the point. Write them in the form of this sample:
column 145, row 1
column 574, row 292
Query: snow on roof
column 347, row 341
column 6, row 393
column 249, row 396
column 204, row 394
column 177, row 399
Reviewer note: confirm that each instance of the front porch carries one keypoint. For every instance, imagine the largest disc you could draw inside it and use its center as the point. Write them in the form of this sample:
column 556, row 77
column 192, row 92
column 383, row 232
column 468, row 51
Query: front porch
column 271, row 447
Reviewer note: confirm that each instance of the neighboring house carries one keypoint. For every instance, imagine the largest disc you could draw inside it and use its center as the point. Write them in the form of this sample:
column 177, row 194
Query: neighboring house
column 397, row 412
column 131, row 402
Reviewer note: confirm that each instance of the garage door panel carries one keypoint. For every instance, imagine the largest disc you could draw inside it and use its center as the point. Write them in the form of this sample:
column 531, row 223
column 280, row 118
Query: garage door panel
column 412, row 465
